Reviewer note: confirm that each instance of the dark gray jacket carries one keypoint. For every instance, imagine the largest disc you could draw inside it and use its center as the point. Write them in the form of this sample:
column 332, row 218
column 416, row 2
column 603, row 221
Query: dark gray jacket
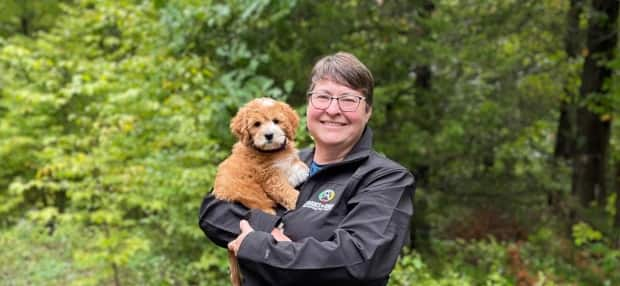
column 351, row 221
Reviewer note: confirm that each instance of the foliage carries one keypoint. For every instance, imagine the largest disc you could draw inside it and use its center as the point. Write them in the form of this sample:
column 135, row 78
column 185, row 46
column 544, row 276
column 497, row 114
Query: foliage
column 583, row 233
column 118, row 133
column 114, row 116
column 594, row 262
column 476, row 263
column 28, row 16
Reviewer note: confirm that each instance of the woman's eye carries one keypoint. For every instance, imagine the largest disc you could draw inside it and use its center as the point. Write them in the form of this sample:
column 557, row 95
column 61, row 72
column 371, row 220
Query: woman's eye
column 321, row 97
column 348, row 99
column 256, row 124
column 276, row 121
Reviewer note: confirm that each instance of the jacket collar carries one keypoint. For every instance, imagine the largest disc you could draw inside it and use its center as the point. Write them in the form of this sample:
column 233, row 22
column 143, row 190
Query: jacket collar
column 360, row 150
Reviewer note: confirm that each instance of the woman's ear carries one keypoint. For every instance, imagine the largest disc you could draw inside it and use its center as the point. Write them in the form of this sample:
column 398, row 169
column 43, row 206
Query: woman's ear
column 368, row 113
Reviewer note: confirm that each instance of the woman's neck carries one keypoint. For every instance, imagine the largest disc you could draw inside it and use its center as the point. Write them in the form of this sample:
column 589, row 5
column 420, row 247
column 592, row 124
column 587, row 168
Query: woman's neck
column 326, row 155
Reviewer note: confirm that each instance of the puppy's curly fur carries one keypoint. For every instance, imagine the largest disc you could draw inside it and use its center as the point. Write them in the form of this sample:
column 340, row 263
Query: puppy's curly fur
column 263, row 167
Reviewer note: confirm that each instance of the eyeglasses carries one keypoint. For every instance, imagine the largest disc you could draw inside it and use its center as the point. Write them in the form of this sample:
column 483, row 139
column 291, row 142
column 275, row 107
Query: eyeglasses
column 347, row 102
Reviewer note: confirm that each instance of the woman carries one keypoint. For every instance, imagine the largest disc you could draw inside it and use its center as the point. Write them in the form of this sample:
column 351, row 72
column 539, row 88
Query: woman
column 353, row 212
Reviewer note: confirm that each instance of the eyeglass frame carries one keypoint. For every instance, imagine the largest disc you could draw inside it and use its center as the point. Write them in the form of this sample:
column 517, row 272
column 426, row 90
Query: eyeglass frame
column 337, row 98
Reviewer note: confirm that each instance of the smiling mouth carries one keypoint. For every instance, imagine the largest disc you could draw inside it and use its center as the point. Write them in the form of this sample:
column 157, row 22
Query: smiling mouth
column 331, row 123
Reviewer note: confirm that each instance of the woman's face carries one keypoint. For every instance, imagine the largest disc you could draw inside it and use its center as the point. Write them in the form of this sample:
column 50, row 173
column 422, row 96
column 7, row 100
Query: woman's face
column 333, row 127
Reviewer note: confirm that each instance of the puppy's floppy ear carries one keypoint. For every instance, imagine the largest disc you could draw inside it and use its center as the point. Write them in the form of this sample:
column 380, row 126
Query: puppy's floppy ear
column 291, row 117
column 238, row 123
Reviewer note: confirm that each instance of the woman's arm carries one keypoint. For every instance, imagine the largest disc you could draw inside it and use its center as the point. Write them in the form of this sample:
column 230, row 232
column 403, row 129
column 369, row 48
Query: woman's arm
column 219, row 219
column 365, row 246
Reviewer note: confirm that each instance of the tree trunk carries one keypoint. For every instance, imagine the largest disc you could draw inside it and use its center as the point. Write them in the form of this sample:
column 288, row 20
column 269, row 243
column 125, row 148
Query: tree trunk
column 593, row 129
column 24, row 25
column 420, row 229
column 565, row 142
column 565, row 137
column 26, row 17
column 424, row 97
column 617, row 217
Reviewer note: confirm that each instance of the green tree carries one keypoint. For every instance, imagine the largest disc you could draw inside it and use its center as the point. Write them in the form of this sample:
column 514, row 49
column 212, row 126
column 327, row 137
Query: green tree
column 110, row 126
column 28, row 16
column 593, row 119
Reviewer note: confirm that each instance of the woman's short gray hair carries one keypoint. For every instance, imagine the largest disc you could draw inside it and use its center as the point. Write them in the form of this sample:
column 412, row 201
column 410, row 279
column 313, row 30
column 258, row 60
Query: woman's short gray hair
column 344, row 68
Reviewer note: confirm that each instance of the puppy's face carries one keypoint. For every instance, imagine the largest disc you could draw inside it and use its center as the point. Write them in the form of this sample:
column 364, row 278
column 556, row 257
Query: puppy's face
column 265, row 124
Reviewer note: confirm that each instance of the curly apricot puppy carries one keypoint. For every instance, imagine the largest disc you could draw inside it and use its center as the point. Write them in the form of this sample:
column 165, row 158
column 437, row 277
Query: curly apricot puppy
column 263, row 167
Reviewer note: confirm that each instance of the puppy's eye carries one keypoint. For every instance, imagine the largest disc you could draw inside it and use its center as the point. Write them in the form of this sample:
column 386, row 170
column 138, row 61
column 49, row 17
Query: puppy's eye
column 276, row 121
column 256, row 124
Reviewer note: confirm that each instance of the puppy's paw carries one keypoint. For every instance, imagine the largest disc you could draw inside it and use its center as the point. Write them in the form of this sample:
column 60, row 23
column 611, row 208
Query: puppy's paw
column 298, row 174
column 269, row 211
column 290, row 201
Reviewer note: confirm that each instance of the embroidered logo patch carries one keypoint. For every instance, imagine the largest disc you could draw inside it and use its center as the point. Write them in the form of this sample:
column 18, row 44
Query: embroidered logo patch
column 326, row 196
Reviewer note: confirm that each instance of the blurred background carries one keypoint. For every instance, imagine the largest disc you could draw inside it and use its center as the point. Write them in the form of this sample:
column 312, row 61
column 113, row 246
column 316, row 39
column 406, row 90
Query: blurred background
column 114, row 116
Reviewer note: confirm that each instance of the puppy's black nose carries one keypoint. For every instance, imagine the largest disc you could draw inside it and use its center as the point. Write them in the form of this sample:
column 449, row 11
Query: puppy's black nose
column 269, row 136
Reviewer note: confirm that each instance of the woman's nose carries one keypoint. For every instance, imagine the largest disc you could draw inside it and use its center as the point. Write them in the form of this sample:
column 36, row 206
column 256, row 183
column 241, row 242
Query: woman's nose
column 333, row 107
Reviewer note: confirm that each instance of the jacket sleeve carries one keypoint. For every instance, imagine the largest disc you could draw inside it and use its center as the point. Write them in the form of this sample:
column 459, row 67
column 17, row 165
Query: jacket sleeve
column 219, row 219
column 365, row 246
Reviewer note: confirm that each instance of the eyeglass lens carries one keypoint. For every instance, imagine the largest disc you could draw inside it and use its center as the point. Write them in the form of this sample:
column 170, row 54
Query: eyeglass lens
column 346, row 103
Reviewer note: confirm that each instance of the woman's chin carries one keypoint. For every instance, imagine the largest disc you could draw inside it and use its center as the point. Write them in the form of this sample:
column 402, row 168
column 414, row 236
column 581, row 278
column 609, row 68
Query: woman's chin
column 332, row 140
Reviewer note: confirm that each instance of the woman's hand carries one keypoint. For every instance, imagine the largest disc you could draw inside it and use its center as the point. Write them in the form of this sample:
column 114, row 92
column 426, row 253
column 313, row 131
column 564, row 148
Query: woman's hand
column 279, row 235
column 245, row 230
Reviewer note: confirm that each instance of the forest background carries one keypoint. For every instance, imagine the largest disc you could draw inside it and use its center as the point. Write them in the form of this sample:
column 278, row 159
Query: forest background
column 114, row 116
